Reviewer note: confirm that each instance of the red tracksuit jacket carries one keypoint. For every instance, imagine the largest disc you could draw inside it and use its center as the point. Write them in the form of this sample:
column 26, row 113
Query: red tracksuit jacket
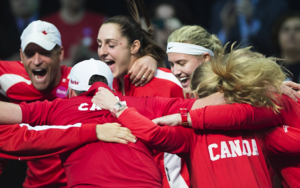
column 217, row 158
column 16, row 86
column 286, row 167
column 163, row 84
column 23, row 142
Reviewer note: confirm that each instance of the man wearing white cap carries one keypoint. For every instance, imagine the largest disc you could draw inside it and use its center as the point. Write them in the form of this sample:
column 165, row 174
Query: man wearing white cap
column 38, row 76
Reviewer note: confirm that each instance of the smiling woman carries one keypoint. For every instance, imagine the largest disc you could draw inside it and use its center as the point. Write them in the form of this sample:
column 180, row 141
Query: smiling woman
column 122, row 41
column 190, row 46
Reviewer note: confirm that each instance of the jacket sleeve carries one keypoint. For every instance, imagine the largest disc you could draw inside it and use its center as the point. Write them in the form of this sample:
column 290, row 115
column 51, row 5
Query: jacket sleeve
column 154, row 107
column 283, row 140
column 167, row 139
column 234, row 116
column 38, row 113
column 23, row 142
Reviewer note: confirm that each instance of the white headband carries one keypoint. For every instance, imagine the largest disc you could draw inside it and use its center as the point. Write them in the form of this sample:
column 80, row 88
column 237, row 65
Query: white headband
column 186, row 48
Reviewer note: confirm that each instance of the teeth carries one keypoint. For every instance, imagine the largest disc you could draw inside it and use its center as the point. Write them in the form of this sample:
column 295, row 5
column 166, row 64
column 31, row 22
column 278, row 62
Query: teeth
column 107, row 60
column 183, row 78
column 38, row 69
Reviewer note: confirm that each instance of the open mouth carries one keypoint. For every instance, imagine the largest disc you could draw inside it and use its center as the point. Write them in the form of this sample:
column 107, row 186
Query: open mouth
column 184, row 80
column 39, row 74
column 111, row 64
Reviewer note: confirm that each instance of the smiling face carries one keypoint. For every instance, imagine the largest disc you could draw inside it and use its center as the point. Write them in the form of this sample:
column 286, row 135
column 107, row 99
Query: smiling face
column 114, row 50
column 42, row 66
column 182, row 66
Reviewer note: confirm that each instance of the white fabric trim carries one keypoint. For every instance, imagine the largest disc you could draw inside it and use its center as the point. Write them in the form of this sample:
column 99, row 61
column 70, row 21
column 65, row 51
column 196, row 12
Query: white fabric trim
column 185, row 48
column 167, row 76
column 173, row 163
column 45, row 127
column 8, row 80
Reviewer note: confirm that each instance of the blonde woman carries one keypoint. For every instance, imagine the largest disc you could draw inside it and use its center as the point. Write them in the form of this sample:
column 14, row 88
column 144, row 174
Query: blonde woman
column 191, row 46
column 219, row 158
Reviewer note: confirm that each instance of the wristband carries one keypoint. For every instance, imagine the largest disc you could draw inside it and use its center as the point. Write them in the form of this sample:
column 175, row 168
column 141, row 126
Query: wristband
column 184, row 116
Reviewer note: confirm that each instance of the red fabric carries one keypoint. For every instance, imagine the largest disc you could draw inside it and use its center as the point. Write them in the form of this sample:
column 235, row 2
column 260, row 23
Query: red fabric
column 22, row 142
column 16, row 86
column 73, row 34
column 243, row 116
column 98, row 164
column 163, row 84
column 214, row 158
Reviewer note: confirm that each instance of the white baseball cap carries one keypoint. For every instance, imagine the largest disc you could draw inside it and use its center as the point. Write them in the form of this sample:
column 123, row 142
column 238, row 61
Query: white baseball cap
column 82, row 72
column 41, row 33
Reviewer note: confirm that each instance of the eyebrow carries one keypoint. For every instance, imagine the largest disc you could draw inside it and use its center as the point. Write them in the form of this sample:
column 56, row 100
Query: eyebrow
column 178, row 61
column 108, row 40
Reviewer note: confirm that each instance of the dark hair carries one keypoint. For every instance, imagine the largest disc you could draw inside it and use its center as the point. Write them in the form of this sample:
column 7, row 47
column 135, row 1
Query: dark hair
column 277, row 27
column 92, row 80
column 131, row 29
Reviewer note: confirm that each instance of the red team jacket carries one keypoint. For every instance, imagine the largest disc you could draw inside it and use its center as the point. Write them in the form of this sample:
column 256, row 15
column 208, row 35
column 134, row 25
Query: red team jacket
column 286, row 167
column 16, row 85
column 222, row 158
column 163, row 84
column 99, row 163
column 23, row 142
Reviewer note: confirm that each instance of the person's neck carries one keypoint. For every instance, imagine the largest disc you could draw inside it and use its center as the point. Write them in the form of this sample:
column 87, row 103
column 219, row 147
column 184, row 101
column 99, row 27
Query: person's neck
column 71, row 16
column 291, row 56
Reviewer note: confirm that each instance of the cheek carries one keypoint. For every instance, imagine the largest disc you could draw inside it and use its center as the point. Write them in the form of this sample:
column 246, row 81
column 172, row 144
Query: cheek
column 282, row 38
column 190, row 67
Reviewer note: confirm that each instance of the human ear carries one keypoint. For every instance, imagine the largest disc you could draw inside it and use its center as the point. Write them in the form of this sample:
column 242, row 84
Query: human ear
column 135, row 47
column 206, row 57
column 21, row 55
column 61, row 53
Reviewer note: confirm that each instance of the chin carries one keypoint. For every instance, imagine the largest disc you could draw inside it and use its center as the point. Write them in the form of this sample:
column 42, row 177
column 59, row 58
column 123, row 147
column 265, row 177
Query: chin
column 40, row 87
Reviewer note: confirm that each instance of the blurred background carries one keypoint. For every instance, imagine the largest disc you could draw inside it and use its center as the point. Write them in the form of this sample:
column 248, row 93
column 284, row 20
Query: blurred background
column 272, row 27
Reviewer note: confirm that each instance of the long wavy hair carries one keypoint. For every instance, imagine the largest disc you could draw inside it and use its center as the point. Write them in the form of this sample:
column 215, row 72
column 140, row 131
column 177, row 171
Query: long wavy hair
column 243, row 76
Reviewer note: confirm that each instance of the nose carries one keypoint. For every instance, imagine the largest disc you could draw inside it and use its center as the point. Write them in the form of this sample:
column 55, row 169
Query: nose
column 37, row 59
column 176, row 70
column 102, row 52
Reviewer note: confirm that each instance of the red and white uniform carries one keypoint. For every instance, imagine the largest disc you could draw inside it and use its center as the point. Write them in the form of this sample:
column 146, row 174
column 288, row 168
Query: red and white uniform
column 16, row 86
column 98, row 164
column 23, row 142
column 163, row 84
column 216, row 158
column 241, row 116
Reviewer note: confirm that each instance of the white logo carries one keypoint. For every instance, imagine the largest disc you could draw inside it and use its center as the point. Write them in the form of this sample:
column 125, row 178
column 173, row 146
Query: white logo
column 285, row 128
column 235, row 149
column 86, row 107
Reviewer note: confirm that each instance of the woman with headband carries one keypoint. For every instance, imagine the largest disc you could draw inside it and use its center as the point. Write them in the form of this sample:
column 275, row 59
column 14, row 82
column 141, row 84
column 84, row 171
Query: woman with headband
column 218, row 158
column 121, row 41
column 191, row 46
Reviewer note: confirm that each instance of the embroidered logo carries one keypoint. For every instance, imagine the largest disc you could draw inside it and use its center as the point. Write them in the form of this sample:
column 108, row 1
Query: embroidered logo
column 285, row 128
column 44, row 32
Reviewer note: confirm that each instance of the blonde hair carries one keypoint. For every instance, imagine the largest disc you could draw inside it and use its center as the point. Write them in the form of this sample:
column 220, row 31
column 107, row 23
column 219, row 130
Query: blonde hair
column 243, row 76
column 197, row 35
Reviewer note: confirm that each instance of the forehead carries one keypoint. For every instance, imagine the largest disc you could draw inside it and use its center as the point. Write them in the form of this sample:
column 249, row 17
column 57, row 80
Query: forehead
column 109, row 31
column 291, row 22
column 32, row 47
column 179, row 56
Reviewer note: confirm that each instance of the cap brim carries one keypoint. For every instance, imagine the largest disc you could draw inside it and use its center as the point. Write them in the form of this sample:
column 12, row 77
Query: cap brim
column 39, row 40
